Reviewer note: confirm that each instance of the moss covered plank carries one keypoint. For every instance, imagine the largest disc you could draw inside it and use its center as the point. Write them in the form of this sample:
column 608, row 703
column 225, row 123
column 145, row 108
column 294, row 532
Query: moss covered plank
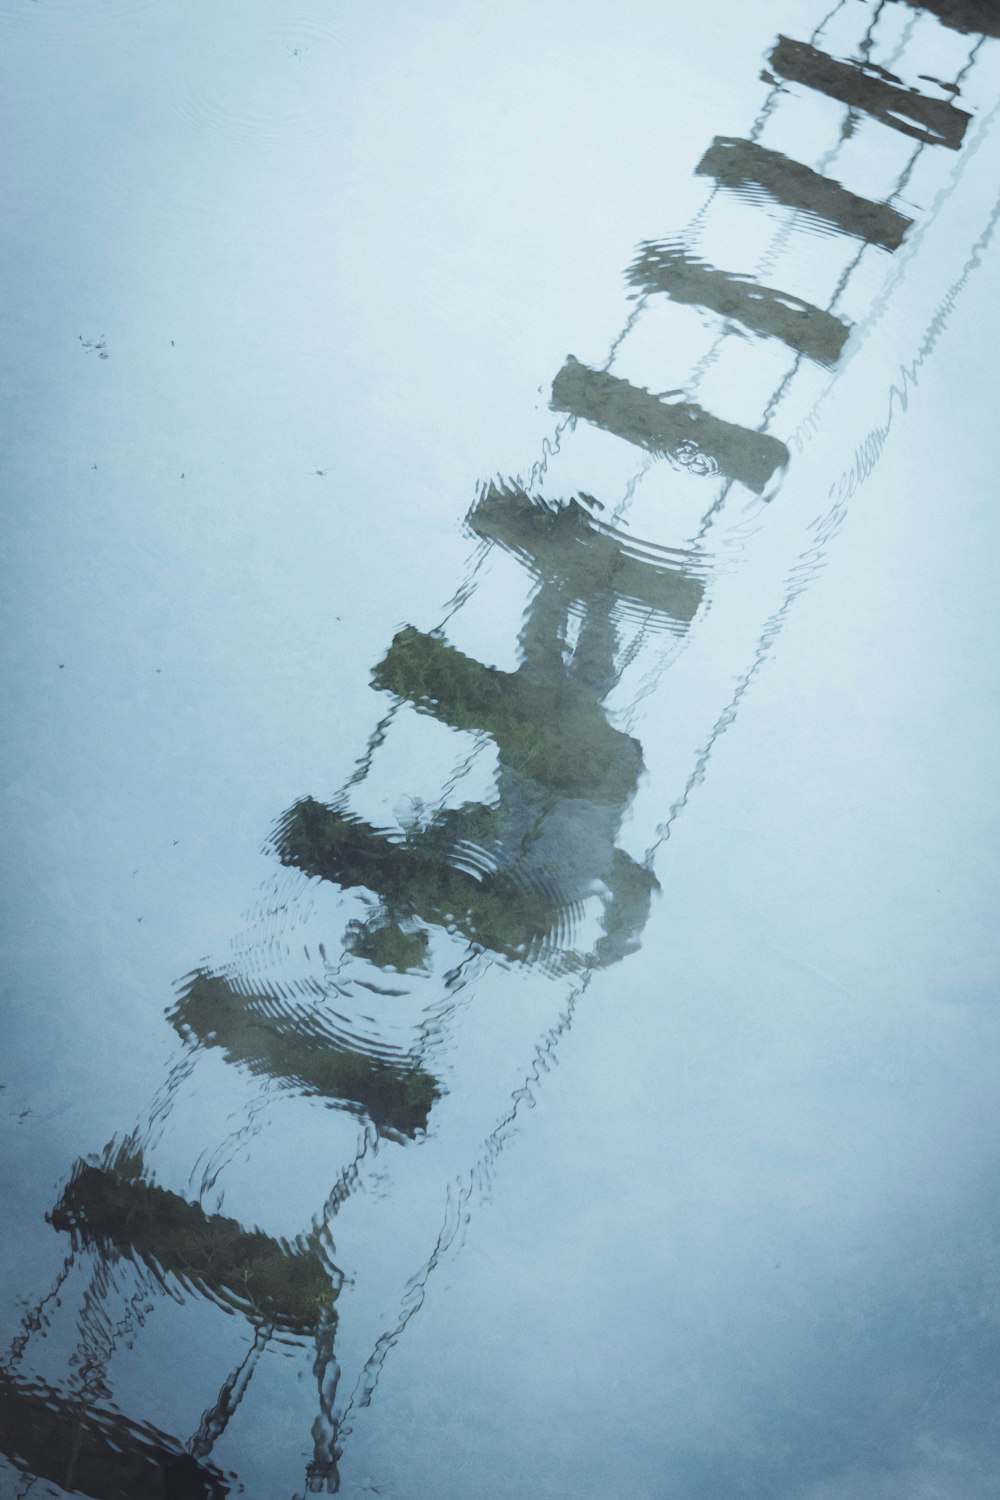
column 558, row 738
column 564, row 544
column 421, row 873
column 513, row 912
column 935, row 121
column 268, row 1281
column 252, row 1033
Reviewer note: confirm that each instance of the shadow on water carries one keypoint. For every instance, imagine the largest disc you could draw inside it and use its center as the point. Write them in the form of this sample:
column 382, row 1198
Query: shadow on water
column 507, row 881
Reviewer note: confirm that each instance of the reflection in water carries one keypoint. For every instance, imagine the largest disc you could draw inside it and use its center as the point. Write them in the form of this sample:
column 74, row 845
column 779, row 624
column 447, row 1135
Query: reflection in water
column 668, row 268
column 870, row 449
column 90, row 1451
column 512, row 878
column 752, row 169
column 679, row 429
column 111, row 1209
column 969, row 16
column 508, row 877
column 935, row 121
column 585, row 561
column 303, row 1052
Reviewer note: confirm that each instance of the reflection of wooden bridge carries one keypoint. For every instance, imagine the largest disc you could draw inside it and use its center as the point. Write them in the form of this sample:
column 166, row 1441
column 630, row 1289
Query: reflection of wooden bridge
column 72, row 1443
column 502, row 876
column 304, row 1055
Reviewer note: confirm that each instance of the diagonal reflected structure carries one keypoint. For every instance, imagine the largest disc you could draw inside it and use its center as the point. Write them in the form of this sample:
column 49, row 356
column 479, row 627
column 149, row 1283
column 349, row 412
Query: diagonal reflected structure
column 302, row 1053
column 670, row 270
column 111, row 1208
column 510, row 877
column 88, row 1450
column 747, row 167
column 936, row 122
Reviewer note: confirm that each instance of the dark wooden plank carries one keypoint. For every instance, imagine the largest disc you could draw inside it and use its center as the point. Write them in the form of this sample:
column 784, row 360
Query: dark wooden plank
column 255, row 1033
column 676, row 428
column 974, row 17
column 110, row 1208
column 91, row 1451
column 743, row 164
column 565, row 545
column 762, row 310
column 934, row 121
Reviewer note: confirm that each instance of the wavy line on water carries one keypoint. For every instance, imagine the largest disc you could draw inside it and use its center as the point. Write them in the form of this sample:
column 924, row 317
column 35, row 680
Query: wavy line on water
column 37, row 1320
column 802, row 573
column 478, row 1177
column 869, row 451
column 216, row 1418
column 99, row 1337
column 769, row 635
column 475, row 1180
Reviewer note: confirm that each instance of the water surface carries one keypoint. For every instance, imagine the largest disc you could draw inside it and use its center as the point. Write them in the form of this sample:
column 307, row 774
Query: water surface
column 501, row 752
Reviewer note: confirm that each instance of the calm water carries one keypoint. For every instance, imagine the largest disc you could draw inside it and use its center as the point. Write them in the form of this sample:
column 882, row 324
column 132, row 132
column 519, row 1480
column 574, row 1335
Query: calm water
column 500, row 757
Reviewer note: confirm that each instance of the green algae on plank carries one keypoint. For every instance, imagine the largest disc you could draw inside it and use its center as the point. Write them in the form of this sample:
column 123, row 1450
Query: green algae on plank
column 389, row 940
column 516, row 912
column 297, row 1050
column 270, row 1282
column 556, row 736
column 62, row 1438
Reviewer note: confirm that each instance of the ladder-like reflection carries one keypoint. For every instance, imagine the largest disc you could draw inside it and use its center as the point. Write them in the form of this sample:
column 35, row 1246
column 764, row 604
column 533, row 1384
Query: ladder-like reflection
column 508, row 878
